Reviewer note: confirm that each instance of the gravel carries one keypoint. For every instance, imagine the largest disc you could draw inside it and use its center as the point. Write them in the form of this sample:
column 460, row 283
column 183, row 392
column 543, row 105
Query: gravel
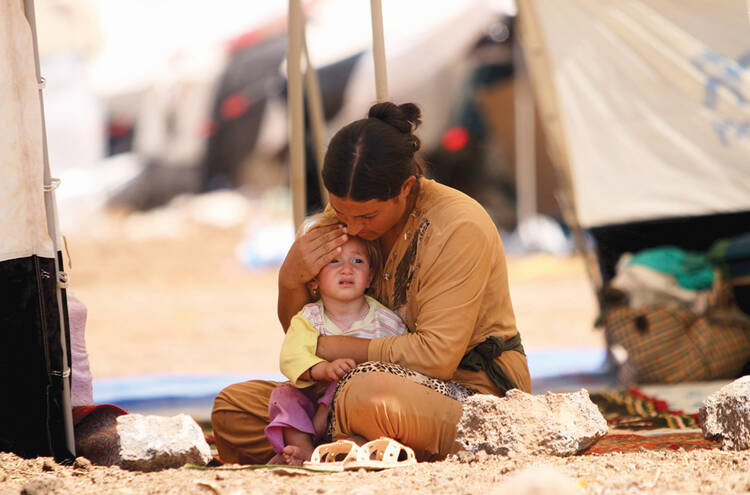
column 657, row 472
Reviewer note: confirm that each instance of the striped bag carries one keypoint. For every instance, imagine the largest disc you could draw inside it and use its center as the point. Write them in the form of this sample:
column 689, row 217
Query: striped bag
column 673, row 344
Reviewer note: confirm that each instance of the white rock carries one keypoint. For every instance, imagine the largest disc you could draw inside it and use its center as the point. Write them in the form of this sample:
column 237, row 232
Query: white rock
column 725, row 415
column 538, row 480
column 150, row 443
column 556, row 424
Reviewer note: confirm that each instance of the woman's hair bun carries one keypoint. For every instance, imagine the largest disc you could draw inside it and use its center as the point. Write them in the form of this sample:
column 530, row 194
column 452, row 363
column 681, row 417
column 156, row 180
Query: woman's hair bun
column 405, row 117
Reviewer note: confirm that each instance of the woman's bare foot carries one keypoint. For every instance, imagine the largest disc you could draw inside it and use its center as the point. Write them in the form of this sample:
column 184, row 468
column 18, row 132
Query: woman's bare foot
column 295, row 455
column 358, row 440
column 278, row 459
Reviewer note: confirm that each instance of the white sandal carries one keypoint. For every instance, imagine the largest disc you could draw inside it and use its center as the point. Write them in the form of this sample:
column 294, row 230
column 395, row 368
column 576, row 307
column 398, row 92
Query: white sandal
column 333, row 456
column 382, row 453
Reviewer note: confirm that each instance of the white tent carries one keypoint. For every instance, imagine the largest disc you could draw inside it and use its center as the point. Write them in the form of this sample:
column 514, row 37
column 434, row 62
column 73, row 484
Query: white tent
column 35, row 416
column 646, row 112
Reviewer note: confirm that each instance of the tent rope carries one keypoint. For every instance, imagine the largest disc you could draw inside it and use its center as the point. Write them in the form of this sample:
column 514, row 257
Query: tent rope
column 53, row 184
column 63, row 279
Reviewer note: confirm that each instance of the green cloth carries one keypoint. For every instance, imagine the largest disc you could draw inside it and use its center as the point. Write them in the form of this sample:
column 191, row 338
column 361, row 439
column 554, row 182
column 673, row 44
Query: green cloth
column 718, row 255
column 482, row 358
column 732, row 256
column 691, row 270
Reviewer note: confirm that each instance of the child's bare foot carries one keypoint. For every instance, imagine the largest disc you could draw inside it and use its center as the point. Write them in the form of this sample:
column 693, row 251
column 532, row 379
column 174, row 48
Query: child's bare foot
column 295, row 455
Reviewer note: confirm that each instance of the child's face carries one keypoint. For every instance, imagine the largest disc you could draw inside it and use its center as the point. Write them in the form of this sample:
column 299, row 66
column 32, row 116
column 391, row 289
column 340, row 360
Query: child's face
column 348, row 275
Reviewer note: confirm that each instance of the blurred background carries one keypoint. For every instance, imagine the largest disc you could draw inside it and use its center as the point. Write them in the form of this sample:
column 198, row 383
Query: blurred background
column 167, row 124
column 153, row 99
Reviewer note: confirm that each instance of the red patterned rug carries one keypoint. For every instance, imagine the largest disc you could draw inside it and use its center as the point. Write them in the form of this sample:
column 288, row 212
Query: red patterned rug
column 637, row 443
column 630, row 410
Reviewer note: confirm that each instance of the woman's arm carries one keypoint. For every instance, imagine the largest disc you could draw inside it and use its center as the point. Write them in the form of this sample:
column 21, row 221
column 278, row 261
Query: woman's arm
column 339, row 346
column 291, row 300
column 303, row 262
column 453, row 280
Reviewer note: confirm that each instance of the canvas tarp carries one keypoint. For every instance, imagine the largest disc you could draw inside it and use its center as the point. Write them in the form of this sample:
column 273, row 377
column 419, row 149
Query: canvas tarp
column 34, row 337
column 645, row 104
column 23, row 221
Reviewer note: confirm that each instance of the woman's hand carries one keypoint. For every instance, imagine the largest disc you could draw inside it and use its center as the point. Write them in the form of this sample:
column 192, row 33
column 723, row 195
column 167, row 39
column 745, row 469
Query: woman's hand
column 310, row 253
column 332, row 371
column 303, row 262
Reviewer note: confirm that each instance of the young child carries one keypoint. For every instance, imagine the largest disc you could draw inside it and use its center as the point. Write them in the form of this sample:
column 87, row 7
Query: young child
column 299, row 410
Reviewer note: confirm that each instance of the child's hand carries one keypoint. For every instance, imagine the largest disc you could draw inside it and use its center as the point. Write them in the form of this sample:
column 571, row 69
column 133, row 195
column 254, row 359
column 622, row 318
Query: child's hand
column 332, row 371
column 340, row 367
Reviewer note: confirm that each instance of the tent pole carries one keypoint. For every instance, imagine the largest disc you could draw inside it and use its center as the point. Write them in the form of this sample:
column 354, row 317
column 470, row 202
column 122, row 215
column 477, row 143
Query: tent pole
column 525, row 138
column 53, row 229
column 541, row 79
column 378, row 51
column 296, row 112
column 317, row 121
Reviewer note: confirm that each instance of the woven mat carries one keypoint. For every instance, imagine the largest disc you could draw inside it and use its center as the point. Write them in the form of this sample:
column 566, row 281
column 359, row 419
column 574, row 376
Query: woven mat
column 635, row 411
column 208, row 432
column 640, row 422
column 638, row 443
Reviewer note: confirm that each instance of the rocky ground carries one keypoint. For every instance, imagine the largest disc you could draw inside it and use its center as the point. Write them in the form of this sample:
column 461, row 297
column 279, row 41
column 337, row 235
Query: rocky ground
column 663, row 472
column 166, row 295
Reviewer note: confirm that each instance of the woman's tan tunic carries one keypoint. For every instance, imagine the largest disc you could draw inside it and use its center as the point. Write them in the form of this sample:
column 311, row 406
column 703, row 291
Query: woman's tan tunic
column 446, row 276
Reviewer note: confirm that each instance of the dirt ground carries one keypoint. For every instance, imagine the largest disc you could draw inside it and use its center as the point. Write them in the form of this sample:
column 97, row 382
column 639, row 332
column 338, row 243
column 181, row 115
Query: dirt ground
column 168, row 296
column 664, row 472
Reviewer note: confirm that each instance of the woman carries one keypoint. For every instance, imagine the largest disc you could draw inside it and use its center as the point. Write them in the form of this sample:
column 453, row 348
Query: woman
column 444, row 274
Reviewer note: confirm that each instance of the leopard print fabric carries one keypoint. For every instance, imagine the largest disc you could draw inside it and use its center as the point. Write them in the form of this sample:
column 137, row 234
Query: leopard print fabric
column 445, row 387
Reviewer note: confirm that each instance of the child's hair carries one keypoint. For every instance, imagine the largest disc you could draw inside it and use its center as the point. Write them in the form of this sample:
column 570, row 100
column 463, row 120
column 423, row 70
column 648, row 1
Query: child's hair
column 323, row 220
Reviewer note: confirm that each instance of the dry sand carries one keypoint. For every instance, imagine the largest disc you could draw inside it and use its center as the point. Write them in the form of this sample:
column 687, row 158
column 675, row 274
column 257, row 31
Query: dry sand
column 666, row 472
column 170, row 298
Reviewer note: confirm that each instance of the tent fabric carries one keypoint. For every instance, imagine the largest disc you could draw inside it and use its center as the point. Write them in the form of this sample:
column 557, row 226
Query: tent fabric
column 652, row 105
column 34, row 332
column 23, row 224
